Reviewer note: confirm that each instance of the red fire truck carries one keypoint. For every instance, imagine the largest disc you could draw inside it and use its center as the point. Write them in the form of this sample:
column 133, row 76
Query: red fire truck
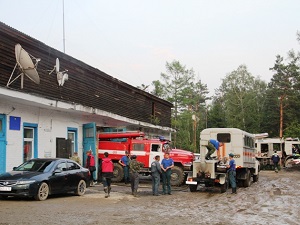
column 145, row 149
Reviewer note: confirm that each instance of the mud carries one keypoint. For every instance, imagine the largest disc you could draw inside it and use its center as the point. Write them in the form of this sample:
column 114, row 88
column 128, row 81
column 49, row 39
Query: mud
column 274, row 199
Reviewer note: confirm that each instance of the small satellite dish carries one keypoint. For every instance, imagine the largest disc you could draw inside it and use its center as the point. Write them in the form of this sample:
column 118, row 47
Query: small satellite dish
column 61, row 76
column 26, row 66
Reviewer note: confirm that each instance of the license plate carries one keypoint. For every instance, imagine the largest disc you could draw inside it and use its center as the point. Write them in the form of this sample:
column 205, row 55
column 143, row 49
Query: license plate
column 5, row 188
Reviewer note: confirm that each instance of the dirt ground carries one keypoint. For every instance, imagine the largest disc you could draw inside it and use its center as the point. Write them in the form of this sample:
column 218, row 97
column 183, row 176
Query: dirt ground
column 274, row 199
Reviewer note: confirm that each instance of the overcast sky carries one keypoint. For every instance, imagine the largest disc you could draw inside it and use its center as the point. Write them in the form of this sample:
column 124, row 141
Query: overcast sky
column 133, row 39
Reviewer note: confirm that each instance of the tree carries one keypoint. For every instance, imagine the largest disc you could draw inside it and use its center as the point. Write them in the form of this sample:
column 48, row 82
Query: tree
column 176, row 81
column 241, row 99
column 158, row 89
column 284, row 94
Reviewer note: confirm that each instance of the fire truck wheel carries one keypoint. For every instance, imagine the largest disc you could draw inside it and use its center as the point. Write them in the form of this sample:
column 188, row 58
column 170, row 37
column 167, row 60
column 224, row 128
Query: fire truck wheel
column 247, row 181
column 177, row 176
column 118, row 173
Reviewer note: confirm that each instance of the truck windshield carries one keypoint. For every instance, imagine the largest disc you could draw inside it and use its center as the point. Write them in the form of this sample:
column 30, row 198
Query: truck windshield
column 167, row 146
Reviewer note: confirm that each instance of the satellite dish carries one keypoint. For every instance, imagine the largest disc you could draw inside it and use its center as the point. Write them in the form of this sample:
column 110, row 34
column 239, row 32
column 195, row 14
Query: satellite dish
column 26, row 66
column 61, row 76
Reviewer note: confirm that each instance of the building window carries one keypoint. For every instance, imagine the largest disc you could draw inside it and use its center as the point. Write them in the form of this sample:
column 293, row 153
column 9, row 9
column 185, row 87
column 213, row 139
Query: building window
column 89, row 132
column 72, row 137
column 28, row 143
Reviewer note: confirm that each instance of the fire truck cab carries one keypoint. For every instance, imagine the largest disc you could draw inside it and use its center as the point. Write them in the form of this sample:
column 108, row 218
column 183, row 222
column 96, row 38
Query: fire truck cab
column 145, row 149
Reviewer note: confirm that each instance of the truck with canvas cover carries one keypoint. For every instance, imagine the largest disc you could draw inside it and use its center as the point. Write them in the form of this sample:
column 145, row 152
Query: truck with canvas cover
column 145, row 149
column 213, row 172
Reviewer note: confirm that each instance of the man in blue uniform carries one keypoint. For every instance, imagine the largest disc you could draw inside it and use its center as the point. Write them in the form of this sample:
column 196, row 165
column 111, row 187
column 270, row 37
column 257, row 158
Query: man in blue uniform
column 212, row 146
column 232, row 173
column 166, row 164
column 124, row 161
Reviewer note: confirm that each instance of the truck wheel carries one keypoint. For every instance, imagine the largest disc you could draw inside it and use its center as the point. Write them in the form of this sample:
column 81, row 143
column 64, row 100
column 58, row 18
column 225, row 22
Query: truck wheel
column 118, row 173
column 177, row 176
column 247, row 182
column 287, row 163
column 224, row 187
column 193, row 188
column 255, row 177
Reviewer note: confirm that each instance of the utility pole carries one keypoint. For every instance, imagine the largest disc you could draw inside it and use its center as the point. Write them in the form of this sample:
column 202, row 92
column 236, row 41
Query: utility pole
column 195, row 120
column 281, row 115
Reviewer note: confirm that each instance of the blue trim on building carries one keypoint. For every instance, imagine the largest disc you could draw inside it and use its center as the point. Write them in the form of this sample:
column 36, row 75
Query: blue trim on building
column 35, row 128
column 75, row 130
column 3, row 143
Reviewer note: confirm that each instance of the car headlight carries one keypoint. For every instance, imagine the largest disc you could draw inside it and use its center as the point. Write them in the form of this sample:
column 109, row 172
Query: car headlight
column 25, row 181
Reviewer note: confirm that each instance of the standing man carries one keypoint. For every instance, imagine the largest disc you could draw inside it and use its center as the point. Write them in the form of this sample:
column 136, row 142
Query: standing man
column 155, row 172
column 90, row 164
column 76, row 158
column 166, row 165
column 134, row 168
column 212, row 146
column 232, row 173
column 124, row 161
column 107, row 168
column 275, row 158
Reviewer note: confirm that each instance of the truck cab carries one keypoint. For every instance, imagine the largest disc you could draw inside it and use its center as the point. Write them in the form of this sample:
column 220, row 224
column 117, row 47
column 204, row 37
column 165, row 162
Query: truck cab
column 145, row 149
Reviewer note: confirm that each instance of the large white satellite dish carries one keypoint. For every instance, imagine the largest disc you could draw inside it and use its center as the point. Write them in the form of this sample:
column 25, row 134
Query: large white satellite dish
column 61, row 76
column 26, row 66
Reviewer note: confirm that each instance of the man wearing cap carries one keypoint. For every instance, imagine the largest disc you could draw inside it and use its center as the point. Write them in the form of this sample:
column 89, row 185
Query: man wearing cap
column 275, row 158
column 134, row 167
column 155, row 173
column 124, row 161
column 232, row 173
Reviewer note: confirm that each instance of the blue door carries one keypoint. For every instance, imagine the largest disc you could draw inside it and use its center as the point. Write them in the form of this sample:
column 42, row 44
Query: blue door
column 90, row 142
column 2, row 143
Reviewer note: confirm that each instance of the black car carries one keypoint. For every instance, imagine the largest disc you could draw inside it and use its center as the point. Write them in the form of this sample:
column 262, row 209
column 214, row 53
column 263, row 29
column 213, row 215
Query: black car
column 39, row 178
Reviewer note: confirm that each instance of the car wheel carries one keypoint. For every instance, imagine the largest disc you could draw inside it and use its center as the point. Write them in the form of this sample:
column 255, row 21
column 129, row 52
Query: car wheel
column 43, row 192
column 81, row 188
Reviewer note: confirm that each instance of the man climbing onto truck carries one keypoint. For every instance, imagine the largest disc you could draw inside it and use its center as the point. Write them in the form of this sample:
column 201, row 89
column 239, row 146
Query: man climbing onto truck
column 212, row 146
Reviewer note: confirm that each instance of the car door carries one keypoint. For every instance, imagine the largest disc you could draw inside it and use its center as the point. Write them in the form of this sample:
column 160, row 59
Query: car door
column 59, row 179
column 74, row 175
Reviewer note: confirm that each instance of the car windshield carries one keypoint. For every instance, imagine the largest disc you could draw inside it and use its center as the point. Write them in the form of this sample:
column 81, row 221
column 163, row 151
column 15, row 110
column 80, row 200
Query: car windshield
column 35, row 166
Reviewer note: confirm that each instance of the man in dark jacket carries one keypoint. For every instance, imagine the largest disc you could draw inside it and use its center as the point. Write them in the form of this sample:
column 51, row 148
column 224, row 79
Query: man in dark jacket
column 275, row 158
column 155, row 172
column 107, row 173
